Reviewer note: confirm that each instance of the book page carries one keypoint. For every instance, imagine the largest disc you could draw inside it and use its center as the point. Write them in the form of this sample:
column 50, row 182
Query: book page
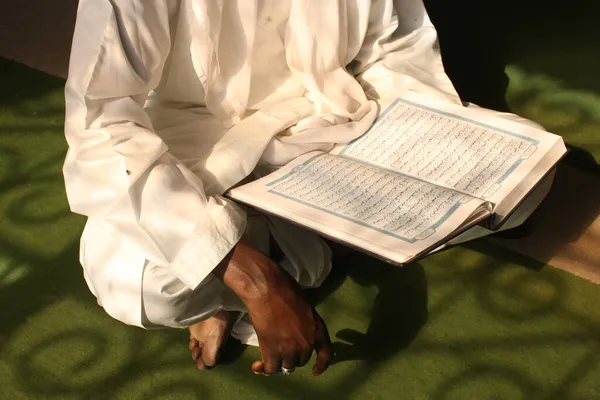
column 452, row 146
column 383, row 211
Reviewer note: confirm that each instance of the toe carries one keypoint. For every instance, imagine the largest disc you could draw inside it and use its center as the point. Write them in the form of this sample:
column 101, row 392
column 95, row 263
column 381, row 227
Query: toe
column 196, row 353
column 210, row 355
column 200, row 364
column 207, row 337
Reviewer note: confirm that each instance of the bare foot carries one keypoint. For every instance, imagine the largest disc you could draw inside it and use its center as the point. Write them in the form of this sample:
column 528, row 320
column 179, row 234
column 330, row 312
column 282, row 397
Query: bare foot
column 207, row 338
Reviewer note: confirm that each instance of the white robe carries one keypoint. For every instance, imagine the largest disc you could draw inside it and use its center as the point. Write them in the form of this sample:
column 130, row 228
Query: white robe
column 171, row 102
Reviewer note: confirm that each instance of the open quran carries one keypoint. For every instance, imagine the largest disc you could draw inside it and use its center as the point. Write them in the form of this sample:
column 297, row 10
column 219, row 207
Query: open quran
column 423, row 173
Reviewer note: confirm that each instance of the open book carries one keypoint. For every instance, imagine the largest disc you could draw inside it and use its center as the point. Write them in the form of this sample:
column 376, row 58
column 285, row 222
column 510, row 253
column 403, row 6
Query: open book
column 425, row 172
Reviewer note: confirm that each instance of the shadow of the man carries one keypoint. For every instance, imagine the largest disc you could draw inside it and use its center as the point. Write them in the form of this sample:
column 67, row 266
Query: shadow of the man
column 398, row 313
column 563, row 229
column 477, row 44
column 18, row 83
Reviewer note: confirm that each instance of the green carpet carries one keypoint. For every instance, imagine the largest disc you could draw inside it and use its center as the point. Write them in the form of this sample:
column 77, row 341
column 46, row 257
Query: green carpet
column 473, row 322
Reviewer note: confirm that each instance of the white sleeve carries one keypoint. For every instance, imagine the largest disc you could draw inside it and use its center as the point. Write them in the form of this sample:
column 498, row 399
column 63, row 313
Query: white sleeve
column 117, row 168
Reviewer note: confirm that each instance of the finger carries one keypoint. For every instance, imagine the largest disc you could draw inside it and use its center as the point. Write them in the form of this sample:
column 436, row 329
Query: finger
column 303, row 358
column 323, row 348
column 258, row 367
column 272, row 365
column 290, row 361
column 324, row 358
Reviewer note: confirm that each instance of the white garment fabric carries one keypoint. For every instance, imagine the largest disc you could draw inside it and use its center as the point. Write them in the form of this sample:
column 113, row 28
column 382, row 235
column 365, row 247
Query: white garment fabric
column 167, row 301
column 171, row 102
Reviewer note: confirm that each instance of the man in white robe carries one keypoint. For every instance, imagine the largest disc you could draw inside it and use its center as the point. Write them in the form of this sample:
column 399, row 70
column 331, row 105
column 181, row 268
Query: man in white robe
column 172, row 102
